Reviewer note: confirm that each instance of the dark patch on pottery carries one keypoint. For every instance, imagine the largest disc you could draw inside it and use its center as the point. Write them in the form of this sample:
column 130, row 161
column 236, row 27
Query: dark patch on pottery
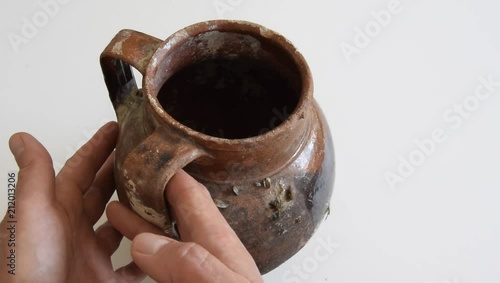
column 162, row 160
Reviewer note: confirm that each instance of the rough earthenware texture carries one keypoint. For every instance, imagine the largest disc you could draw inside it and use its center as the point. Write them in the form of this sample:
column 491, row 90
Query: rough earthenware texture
column 274, row 189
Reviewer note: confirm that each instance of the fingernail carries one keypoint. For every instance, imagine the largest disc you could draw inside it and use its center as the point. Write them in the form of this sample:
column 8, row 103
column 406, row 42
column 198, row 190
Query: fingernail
column 16, row 145
column 149, row 244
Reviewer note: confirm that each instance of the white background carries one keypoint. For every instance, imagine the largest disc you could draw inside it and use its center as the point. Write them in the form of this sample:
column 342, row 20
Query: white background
column 441, row 225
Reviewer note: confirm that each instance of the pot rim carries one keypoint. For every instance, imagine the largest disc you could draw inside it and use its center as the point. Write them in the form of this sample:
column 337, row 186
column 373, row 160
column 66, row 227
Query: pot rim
column 257, row 31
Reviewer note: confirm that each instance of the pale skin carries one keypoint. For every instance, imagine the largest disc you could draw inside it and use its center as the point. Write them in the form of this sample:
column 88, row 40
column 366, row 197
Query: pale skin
column 56, row 241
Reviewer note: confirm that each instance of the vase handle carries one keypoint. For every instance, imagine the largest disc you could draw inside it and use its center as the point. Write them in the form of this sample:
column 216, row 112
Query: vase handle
column 127, row 48
column 146, row 170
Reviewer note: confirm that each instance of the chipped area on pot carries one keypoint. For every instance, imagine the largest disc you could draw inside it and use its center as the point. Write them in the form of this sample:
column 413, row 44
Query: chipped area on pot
column 281, row 198
column 152, row 216
column 145, row 212
column 175, row 38
column 247, row 23
column 132, row 194
column 131, row 186
column 154, row 61
column 213, row 41
column 118, row 47
column 156, row 105
column 144, row 61
column 265, row 32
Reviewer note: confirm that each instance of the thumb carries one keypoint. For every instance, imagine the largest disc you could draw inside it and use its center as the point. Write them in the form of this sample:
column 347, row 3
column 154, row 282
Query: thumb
column 35, row 182
column 36, row 172
column 168, row 261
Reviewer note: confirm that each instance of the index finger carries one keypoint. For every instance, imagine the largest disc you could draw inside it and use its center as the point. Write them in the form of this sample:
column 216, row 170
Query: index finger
column 80, row 170
column 200, row 221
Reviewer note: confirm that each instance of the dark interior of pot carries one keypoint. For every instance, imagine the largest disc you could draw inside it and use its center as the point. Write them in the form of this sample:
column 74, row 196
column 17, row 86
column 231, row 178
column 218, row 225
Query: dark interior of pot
column 229, row 85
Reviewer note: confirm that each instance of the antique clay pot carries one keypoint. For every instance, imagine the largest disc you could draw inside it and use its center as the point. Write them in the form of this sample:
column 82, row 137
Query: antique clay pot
column 232, row 103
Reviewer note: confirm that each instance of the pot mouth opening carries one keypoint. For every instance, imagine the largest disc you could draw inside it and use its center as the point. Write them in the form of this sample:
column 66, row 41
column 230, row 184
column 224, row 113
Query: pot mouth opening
column 228, row 81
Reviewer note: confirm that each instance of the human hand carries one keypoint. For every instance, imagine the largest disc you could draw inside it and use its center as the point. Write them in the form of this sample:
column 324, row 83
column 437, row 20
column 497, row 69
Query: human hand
column 210, row 251
column 55, row 239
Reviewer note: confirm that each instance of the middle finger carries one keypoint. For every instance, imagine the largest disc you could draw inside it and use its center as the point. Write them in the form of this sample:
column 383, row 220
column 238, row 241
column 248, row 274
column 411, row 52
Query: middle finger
column 79, row 171
column 100, row 192
column 108, row 238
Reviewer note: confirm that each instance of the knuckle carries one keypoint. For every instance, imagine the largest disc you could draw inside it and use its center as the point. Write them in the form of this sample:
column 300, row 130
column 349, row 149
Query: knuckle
column 192, row 253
